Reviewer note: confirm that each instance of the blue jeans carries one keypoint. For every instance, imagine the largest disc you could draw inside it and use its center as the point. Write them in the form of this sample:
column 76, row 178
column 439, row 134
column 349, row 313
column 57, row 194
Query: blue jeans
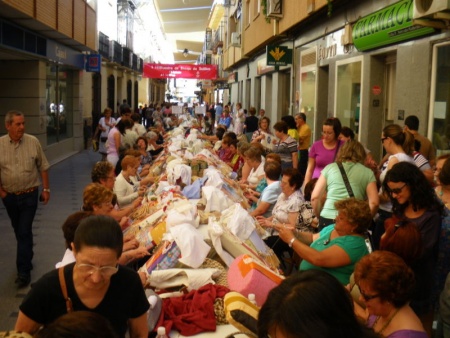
column 21, row 210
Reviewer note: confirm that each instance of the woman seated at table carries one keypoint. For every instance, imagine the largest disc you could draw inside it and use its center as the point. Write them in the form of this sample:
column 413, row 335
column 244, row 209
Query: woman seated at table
column 338, row 247
column 99, row 200
column 127, row 188
column 285, row 210
column 310, row 304
column 254, row 159
column 103, row 173
column 386, row 284
column 269, row 195
column 95, row 282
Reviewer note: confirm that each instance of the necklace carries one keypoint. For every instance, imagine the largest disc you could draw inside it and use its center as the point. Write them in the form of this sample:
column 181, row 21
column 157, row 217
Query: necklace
column 385, row 324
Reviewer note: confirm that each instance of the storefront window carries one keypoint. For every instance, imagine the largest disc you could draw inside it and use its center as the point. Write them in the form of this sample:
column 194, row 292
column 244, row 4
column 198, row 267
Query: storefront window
column 58, row 104
column 440, row 99
column 348, row 93
column 305, row 94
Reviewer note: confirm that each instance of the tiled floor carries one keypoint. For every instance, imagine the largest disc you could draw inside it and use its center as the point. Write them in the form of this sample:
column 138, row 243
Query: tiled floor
column 67, row 181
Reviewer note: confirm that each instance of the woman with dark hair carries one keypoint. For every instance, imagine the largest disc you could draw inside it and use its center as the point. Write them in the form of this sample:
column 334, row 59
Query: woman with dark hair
column 310, row 304
column 79, row 324
column 414, row 200
column 286, row 146
column 103, row 173
column 142, row 145
column 332, row 186
column 114, row 141
column 386, row 284
column 338, row 247
column 397, row 144
column 324, row 151
column 95, row 282
column 292, row 126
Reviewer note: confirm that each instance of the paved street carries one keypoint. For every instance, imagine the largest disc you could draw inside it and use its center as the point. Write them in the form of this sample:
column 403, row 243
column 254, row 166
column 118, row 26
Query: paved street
column 67, row 180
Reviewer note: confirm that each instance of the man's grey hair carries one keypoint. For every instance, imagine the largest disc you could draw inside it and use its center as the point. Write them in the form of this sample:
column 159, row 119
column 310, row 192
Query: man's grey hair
column 152, row 135
column 9, row 117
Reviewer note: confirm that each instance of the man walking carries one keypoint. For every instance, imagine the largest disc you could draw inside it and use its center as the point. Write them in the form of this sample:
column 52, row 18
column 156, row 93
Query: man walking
column 22, row 166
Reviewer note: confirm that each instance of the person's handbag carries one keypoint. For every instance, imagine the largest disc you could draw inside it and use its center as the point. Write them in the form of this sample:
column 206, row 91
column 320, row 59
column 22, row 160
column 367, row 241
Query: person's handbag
column 94, row 145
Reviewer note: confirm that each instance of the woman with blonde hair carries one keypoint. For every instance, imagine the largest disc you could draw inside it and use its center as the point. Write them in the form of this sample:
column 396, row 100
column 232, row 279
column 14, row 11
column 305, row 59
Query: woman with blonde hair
column 349, row 166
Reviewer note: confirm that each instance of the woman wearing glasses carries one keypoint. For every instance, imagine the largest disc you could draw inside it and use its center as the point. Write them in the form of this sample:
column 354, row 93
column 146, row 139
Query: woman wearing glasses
column 397, row 144
column 324, row 151
column 386, row 284
column 95, row 282
column 414, row 200
column 338, row 247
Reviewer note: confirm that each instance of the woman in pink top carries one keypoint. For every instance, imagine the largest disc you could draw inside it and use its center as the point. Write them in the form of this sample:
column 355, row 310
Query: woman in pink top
column 324, row 151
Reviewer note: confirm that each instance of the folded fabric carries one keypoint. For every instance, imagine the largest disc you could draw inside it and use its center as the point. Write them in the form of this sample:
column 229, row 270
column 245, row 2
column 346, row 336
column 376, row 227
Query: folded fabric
column 216, row 200
column 193, row 279
column 191, row 243
column 193, row 191
column 239, row 221
column 192, row 313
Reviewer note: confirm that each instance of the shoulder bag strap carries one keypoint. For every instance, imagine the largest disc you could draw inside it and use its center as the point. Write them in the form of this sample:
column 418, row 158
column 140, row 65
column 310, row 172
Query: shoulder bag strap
column 345, row 178
column 62, row 283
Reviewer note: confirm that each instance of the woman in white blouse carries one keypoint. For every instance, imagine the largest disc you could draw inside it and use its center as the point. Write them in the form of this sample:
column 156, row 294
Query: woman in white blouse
column 127, row 187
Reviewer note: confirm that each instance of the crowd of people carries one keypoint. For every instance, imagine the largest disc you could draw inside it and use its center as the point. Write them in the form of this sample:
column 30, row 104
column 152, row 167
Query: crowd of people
column 341, row 225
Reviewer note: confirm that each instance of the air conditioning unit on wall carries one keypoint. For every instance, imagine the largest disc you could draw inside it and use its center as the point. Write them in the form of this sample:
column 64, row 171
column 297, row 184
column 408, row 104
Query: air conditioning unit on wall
column 235, row 39
column 424, row 8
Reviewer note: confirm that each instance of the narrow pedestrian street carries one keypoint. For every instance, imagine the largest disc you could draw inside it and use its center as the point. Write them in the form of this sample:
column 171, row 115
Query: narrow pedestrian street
column 67, row 181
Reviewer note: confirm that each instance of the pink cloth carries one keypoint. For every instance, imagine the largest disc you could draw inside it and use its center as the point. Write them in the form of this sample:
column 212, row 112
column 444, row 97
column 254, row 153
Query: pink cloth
column 192, row 313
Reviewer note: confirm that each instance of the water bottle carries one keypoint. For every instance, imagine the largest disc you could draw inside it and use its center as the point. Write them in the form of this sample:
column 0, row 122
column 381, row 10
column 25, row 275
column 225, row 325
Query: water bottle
column 161, row 332
column 252, row 299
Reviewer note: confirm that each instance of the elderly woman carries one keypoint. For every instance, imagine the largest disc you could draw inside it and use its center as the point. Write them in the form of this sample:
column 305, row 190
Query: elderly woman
column 153, row 147
column 285, row 210
column 95, row 282
column 269, row 195
column 127, row 187
column 225, row 119
column 331, row 183
column 286, row 146
column 338, row 247
column 310, row 304
column 386, row 284
column 146, row 156
column 103, row 173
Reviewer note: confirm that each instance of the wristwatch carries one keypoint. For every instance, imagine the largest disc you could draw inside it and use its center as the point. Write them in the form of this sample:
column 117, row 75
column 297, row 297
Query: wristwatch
column 291, row 242
column 46, row 190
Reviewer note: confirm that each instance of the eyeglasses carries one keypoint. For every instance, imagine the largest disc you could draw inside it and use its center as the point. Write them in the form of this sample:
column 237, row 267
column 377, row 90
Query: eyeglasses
column 396, row 190
column 367, row 297
column 383, row 138
column 107, row 204
column 105, row 271
column 110, row 177
column 327, row 132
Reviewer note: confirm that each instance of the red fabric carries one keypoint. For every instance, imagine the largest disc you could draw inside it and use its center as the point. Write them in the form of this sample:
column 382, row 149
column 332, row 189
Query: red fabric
column 192, row 313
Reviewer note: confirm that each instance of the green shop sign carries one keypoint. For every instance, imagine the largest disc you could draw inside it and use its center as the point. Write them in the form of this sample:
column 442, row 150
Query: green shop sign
column 278, row 56
column 387, row 26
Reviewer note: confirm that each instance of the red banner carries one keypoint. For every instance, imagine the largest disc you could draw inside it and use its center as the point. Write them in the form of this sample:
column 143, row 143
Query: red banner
column 164, row 71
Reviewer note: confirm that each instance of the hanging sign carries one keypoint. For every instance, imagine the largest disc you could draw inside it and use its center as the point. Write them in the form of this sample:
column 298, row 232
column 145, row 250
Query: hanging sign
column 93, row 63
column 387, row 26
column 164, row 71
column 278, row 56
